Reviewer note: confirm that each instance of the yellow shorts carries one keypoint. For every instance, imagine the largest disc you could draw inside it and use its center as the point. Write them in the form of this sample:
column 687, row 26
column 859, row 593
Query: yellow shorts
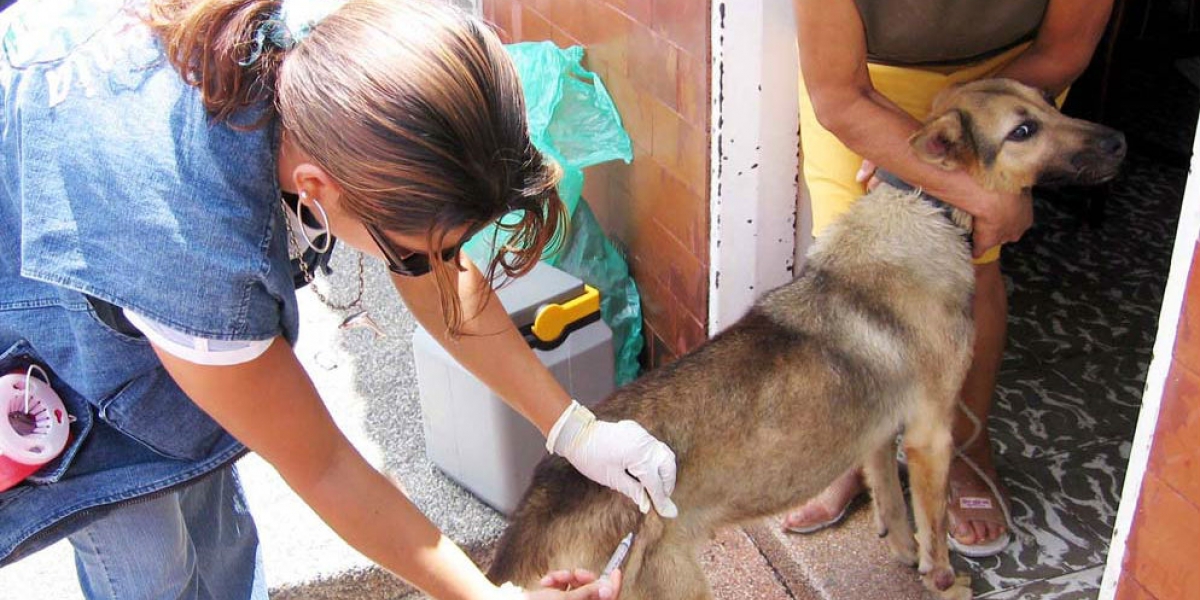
column 829, row 166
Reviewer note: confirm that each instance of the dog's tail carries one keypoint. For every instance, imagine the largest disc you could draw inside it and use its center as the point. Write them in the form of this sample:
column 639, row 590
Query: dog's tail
column 565, row 521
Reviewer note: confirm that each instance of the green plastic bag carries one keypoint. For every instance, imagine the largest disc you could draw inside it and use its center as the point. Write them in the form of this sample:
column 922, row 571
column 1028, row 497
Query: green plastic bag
column 573, row 121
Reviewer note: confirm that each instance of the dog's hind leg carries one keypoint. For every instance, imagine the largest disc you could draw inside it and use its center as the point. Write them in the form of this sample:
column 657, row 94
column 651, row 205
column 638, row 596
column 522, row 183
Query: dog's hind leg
column 887, row 497
column 929, row 447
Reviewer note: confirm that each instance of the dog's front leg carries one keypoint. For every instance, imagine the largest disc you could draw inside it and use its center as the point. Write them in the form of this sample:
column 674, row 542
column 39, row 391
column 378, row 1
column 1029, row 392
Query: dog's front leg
column 928, row 446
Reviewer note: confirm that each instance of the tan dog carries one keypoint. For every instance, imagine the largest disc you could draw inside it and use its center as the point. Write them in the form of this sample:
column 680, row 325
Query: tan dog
column 874, row 335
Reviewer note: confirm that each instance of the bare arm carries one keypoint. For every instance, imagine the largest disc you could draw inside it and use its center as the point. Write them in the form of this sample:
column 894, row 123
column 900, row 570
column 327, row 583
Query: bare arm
column 489, row 346
column 1064, row 45
column 271, row 406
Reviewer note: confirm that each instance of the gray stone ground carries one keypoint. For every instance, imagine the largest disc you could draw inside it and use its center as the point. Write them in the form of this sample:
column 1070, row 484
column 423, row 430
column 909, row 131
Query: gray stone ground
column 370, row 386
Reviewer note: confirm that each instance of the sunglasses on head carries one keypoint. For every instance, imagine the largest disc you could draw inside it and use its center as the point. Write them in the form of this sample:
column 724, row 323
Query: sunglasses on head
column 409, row 263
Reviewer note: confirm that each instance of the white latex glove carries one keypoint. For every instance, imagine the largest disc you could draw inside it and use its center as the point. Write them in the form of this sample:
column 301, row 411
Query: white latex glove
column 622, row 456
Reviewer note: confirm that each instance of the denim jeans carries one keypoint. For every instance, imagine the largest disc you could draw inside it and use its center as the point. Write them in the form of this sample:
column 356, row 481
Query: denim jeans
column 195, row 543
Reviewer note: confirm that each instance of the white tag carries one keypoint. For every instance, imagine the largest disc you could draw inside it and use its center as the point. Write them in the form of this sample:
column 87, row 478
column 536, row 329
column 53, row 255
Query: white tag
column 975, row 503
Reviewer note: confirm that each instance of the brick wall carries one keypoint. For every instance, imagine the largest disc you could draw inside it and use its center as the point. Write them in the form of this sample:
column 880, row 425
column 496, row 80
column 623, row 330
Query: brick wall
column 1160, row 558
column 653, row 57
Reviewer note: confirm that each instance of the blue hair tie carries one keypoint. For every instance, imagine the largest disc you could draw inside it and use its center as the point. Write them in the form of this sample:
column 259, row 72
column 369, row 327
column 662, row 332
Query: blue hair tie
column 289, row 26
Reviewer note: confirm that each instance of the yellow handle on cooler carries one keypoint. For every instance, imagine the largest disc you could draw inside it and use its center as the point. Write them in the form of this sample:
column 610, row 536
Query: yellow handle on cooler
column 553, row 319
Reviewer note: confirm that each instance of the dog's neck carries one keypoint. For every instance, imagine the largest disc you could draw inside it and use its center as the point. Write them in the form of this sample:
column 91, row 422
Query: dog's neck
column 956, row 216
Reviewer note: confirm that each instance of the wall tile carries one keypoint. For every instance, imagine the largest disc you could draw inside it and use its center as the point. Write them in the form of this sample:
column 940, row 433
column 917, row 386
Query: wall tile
column 617, row 216
column 686, row 276
column 568, row 14
column 542, row 6
column 621, row 5
column 597, row 186
column 1175, row 457
column 562, row 39
column 685, row 23
column 684, row 214
column 691, row 334
column 641, row 11
column 637, row 112
column 653, row 64
column 491, row 8
column 693, row 158
column 692, row 89
column 663, row 354
column 532, row 26
column 656, row 299
column 1164, row 543
column 607, row 38
column 666, row 126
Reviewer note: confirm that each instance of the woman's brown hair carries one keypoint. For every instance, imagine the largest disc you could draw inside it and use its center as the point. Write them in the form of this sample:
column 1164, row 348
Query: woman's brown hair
column 414, row 108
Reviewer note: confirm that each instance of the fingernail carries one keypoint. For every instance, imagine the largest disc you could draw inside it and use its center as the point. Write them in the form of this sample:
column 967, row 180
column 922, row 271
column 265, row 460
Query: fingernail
column 606, row 592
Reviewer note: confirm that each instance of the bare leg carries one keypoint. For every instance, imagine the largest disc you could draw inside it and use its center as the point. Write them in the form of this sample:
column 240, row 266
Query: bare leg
column 978, row 390
column 829, row 505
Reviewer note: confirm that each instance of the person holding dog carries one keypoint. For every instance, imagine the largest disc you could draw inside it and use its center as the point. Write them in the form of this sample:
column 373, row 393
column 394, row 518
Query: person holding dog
column 870, row 71
column 167, row 164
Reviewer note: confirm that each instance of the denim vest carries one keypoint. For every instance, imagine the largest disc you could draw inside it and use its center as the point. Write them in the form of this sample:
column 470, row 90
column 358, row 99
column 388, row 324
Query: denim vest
column 118, row 191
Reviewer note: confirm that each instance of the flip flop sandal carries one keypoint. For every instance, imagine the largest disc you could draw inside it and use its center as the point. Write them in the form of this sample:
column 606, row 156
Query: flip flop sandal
column 987, row 512
column 981, row 550
column 815, row 527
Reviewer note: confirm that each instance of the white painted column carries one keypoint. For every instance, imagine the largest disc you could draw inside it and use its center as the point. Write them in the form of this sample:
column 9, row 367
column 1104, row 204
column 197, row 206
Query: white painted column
column 1156, row 377
column 754, row 149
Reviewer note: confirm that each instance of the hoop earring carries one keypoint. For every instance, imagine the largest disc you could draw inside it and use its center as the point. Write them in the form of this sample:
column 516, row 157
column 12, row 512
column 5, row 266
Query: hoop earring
column 324, row 222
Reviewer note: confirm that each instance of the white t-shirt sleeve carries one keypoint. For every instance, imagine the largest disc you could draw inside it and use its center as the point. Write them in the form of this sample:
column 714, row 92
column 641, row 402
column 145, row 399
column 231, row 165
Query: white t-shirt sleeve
column 198, row 350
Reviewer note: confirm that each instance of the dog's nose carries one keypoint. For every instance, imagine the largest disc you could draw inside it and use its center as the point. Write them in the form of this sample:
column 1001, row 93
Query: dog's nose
column 1113, row 145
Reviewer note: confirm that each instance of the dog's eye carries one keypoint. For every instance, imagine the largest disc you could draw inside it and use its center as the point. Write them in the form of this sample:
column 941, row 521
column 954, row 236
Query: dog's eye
column 1023, row 131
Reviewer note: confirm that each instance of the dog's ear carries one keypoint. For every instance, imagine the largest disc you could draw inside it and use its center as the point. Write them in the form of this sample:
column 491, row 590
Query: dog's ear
column 943, row 141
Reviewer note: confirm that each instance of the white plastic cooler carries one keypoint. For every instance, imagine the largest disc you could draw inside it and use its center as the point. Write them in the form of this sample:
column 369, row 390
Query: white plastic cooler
column 470, row 433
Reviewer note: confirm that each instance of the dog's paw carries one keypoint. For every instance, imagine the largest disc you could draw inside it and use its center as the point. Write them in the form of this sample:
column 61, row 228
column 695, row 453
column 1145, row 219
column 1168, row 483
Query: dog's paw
column 948, row 585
